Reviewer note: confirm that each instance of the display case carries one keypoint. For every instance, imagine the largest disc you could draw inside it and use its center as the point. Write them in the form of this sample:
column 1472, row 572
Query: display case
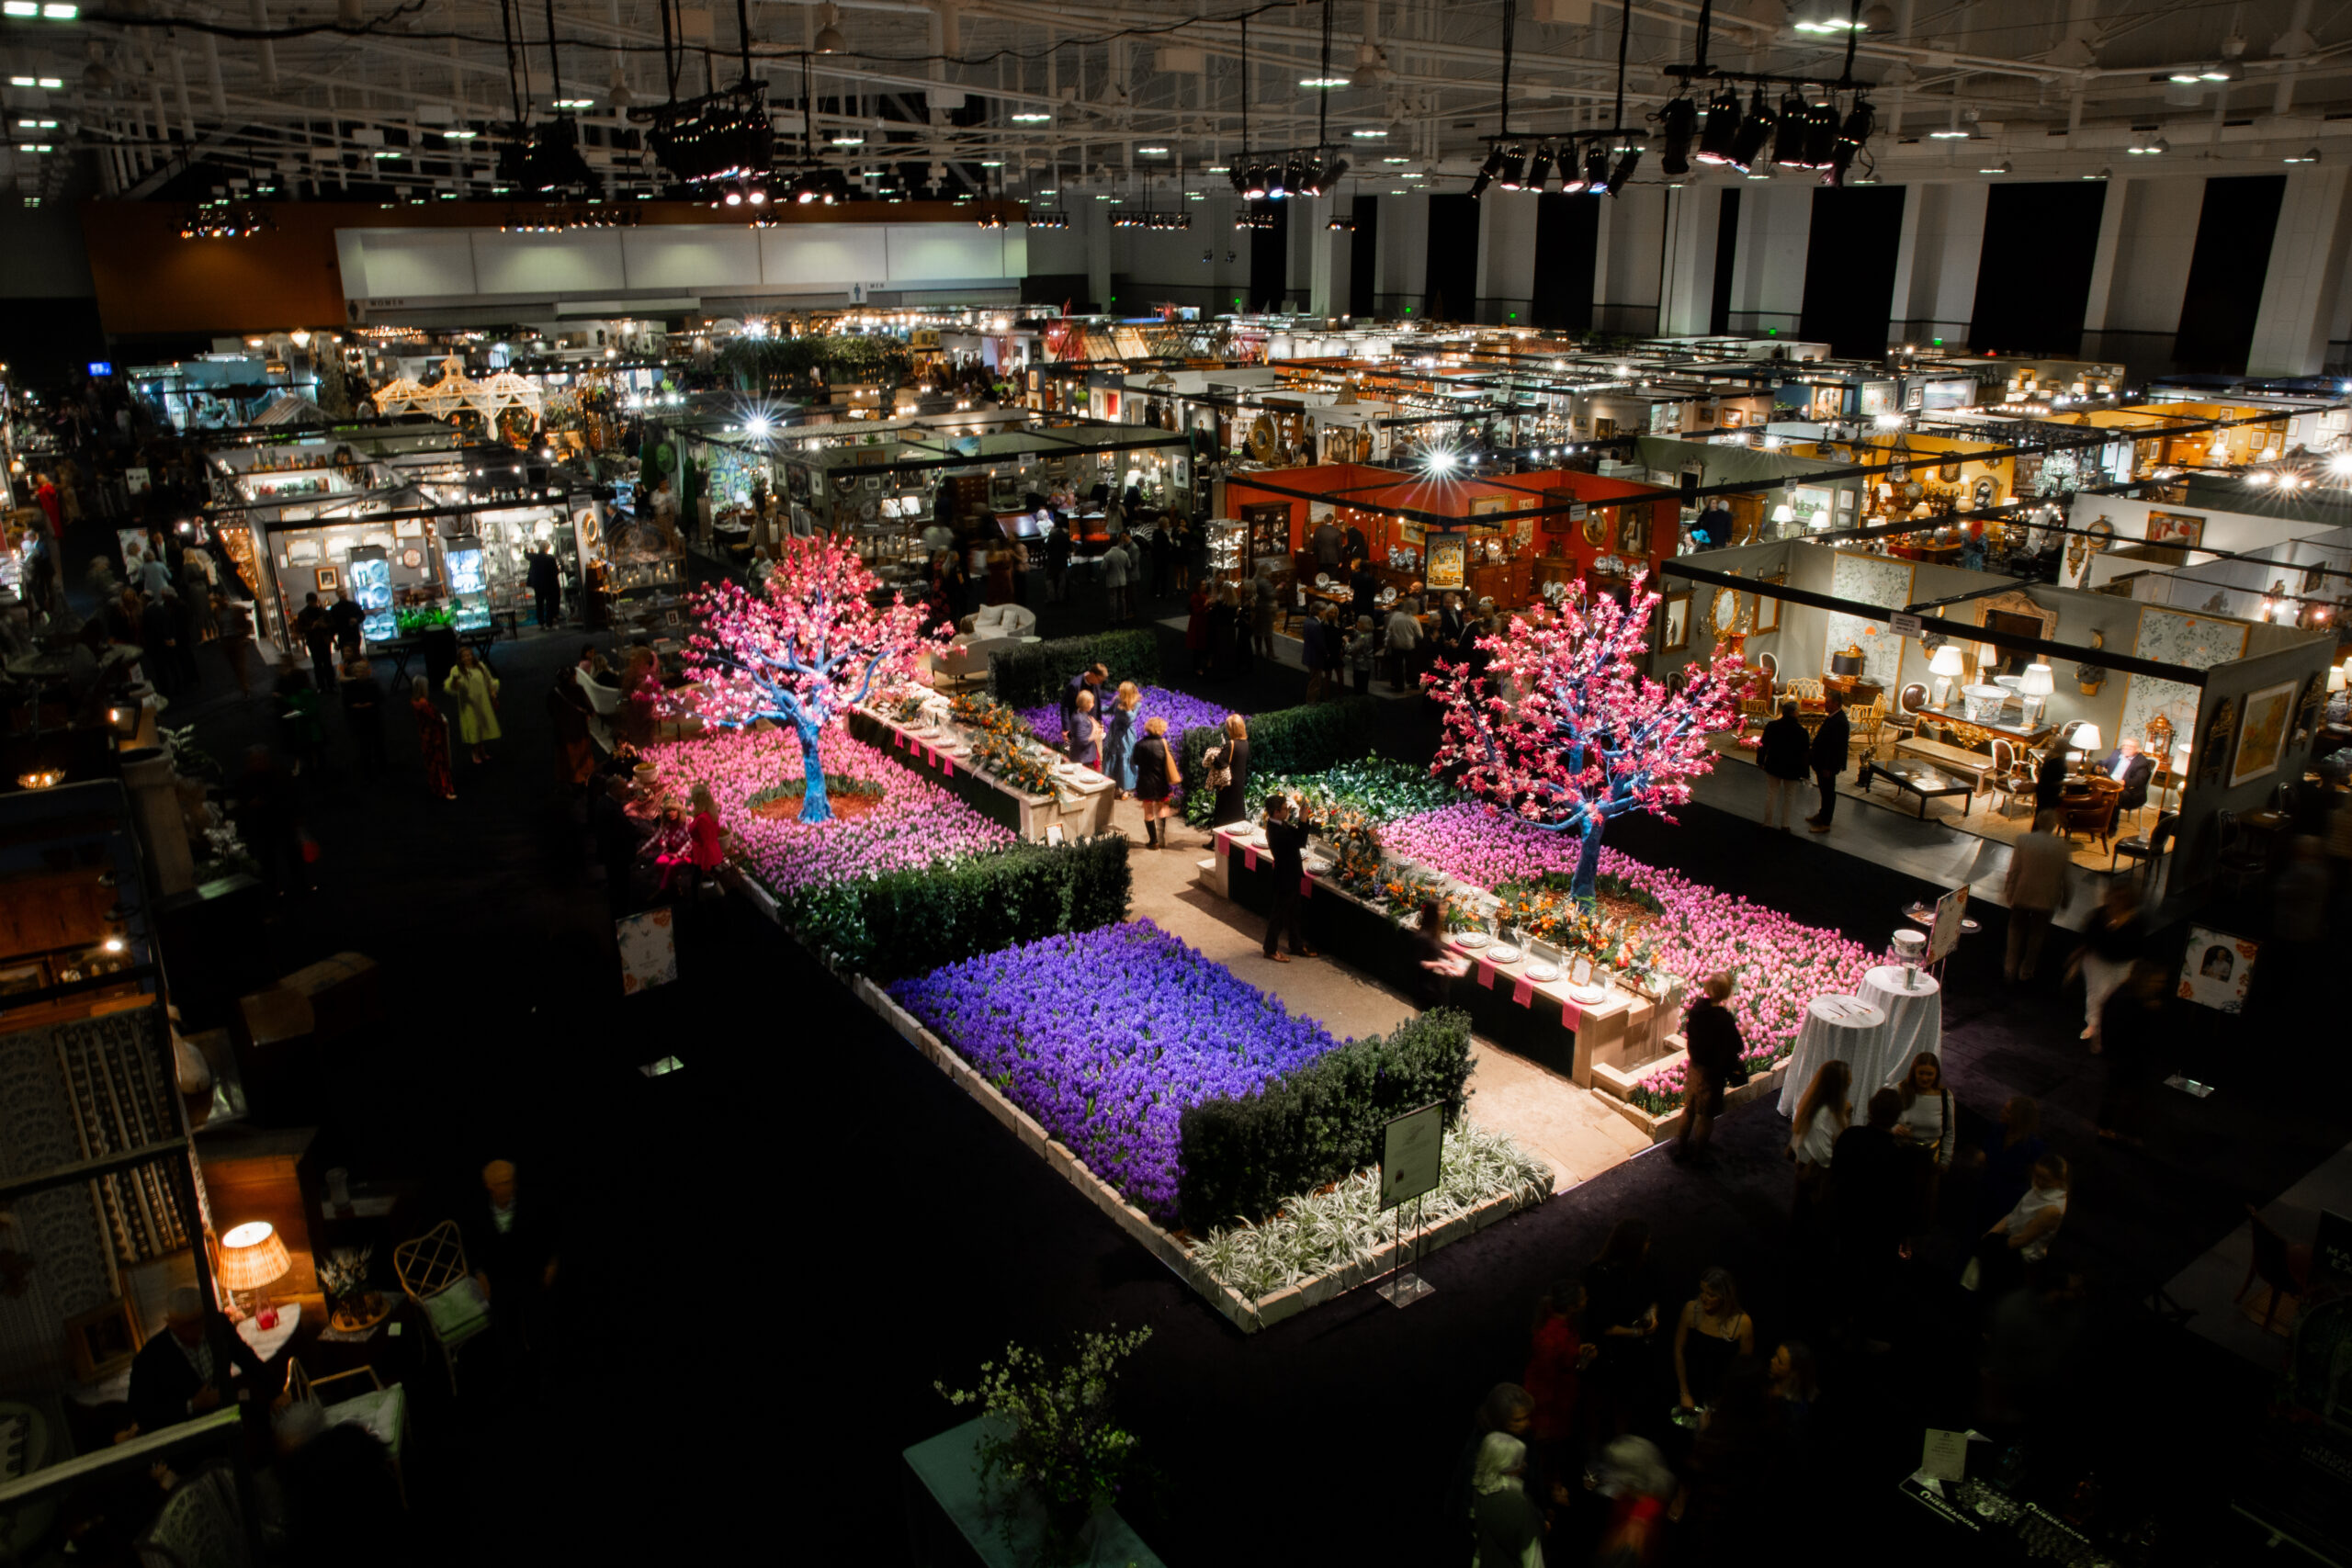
column 469, row 583
column 368, row 573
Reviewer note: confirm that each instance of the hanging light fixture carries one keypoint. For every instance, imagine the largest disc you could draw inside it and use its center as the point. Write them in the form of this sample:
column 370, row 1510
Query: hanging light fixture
column 1722, row 126
column 1788, row 131
column 1755, row 132
column 1539, row 169
column 1676, row 123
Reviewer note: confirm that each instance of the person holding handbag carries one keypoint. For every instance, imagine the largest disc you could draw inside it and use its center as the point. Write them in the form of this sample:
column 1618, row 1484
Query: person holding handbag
column 1154, row 767
column 1228, row 765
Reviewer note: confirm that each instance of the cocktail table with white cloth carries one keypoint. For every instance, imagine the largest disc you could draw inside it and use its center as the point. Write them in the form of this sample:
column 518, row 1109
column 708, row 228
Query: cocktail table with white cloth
column 1915, row 1022
column 1837, row 1029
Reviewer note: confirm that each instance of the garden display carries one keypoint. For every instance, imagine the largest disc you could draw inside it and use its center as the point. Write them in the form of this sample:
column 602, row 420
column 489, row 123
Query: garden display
column 1590, row 737
column 889, row 819
column 804, row 651
column 1182, row 713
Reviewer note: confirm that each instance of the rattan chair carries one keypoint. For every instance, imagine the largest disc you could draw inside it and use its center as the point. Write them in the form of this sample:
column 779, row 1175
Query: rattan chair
column 1804, row 688
column 433, row 1271
column 200, row 1525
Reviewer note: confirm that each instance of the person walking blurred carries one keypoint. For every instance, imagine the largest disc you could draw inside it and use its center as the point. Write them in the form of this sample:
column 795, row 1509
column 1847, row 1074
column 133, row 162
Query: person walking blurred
column 2041, row 877
column 1781, row 752
column 1829, row 746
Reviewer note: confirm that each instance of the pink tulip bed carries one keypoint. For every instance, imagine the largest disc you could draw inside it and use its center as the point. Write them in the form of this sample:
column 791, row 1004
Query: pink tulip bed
column 891, row 818
column 1780, row 964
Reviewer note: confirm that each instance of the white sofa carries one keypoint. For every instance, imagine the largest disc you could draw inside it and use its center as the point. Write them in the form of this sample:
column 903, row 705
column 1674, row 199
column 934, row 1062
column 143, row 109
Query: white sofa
column 993, row 628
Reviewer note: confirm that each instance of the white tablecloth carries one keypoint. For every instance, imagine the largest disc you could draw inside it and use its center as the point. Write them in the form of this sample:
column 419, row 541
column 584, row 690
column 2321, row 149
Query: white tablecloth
column 1837, row 1029
column 268, row 1342
column 1915, row 1022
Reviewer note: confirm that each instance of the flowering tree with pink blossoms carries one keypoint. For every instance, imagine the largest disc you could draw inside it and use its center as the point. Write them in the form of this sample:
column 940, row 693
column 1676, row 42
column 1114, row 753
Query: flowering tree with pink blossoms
column 1587, row 738
column 804, row 652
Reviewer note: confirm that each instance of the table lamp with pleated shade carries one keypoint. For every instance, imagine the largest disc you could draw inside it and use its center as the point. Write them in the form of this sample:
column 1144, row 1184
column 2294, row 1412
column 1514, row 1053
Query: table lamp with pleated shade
column 1946, row 666
column 253, row 1256
column 2035, row 686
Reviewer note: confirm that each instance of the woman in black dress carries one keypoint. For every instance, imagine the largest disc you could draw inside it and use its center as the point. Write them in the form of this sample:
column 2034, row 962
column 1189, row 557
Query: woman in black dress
column 1232, row 754
column 1221, row 617
column 1620, row 1318
column 1155, row 772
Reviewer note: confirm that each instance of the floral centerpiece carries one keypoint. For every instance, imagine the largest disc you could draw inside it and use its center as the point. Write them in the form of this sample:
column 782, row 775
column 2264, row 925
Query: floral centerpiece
column 903, row 820
column 1106, row 1036
column 1052, row 1437
column 343, row 1279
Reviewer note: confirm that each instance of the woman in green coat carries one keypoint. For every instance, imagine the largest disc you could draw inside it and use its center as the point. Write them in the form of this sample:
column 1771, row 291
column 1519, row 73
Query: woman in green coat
column 475, row 690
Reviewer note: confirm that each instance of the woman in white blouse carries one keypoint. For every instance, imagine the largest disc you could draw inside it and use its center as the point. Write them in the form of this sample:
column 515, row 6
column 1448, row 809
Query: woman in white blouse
column 1929, row 1126
column 1824, row 1112
column 2019, row 1240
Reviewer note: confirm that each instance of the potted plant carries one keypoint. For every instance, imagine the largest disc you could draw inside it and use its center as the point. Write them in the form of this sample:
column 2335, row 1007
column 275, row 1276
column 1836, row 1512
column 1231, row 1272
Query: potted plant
column 343, row 1279
column 1050, row 1455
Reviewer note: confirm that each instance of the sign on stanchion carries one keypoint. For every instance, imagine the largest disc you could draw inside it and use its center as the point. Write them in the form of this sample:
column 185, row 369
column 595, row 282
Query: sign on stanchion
column 1410, row 1148
column 1944, row 934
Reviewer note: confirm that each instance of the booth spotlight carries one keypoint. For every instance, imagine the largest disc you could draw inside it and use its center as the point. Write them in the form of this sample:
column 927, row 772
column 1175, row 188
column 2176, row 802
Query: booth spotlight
column 1755, row 132
column 1441, row 461
column 1722, row 126
column 1253, row 184
column 1676, row 121
column 1860, row 120
column 1539, row 169
column 1478, row 183
column 1493, row 163
column 1514, row 174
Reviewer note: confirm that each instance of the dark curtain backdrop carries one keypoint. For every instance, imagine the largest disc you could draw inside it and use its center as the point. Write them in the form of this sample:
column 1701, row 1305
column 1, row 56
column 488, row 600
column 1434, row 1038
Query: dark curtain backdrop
column 1726, row 261
column 1568, row 240
column 1849, row 268
column 2033, row 280
column 1363, row 252
column 2226, row 273
column 1451, row 289
column 1270, row 257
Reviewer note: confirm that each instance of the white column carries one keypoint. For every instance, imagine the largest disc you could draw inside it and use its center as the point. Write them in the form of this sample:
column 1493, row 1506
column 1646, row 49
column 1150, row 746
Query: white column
column 2307, row 258
column 1906, row 261
column 1694, row 218
column 1324, row 260
column 2102, row 298
column 1404, row 249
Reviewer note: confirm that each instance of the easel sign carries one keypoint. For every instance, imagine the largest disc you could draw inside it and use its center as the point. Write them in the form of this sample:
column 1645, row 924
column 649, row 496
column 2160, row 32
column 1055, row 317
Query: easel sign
column 1411, row 1148
column 1944, row 934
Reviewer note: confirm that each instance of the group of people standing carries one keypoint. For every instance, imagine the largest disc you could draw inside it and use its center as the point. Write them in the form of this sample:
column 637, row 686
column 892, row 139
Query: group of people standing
column 1112, row 735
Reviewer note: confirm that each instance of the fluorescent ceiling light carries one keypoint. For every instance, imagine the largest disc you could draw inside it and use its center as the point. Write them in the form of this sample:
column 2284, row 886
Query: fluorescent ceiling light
column 1031, row 117
column 1374, row 135
column 1953, row 135
column 1153, row 151
column 1323, row 82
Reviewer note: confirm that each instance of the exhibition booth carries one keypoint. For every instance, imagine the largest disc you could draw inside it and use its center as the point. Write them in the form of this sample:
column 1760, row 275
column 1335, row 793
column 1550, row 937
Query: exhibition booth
column 2227, row 709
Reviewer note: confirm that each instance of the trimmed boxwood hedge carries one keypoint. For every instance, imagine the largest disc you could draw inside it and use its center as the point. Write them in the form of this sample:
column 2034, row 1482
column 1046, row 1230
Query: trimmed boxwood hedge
column 911, row 923
column 1288, row 740
column 1243, row 1156
column 1036, row 672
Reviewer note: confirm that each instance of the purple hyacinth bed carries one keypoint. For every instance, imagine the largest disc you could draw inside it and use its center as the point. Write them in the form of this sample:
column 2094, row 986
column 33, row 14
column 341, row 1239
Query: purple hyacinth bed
column 1106, row 1036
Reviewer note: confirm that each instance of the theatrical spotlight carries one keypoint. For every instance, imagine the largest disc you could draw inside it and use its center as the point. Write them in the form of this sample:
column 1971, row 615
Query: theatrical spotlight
column 1572, row 178
column 1596, row 167
column 1539, row 169
column 1722, row 126
column 1487, row 171
column 1820, row 134
column 1514, row 174
column 1788, row 134
column 1859, row 122
column 1676, row 123
column 1624, row 169
column 1755, row 133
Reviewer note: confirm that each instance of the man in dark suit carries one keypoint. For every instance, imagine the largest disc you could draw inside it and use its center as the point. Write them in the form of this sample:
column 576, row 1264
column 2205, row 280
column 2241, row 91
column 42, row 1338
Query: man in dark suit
column 511, row 1250
column 177, row 1375
column 2129, row 767
column 1871, row 1184
column 1288, row 840
column 1829, row 744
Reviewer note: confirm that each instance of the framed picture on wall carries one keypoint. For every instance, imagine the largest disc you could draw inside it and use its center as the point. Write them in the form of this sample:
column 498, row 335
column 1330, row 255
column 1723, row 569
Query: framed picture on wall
column 103, row 1341
column 2176, row 529
column 2262, row 738
column 1767, row 609
column 1446, row 557
column 329, row 580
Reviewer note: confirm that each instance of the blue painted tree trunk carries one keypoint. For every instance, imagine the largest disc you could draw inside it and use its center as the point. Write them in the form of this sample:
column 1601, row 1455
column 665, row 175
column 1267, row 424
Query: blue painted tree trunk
column 1589, row 857
column 814, row 807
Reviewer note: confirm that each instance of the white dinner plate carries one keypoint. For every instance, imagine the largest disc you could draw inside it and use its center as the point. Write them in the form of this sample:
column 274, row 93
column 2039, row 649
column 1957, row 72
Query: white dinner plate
column 1472, row 940
column 1542, row 974
column 1504, row 955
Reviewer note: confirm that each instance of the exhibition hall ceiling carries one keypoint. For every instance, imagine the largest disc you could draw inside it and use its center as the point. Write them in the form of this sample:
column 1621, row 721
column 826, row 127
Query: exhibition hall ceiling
column 459, row 99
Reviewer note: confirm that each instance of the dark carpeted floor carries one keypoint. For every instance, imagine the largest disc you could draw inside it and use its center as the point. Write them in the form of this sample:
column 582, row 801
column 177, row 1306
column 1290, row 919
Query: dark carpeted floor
column 771, row 1255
